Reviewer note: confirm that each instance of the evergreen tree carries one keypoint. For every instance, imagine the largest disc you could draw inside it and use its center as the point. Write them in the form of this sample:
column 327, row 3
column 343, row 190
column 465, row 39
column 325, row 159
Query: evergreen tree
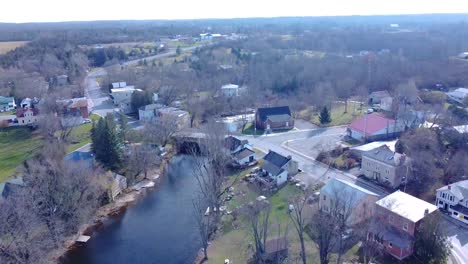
column 325, row 117
column 140, row 99
column 123, row 127
column 106, row 143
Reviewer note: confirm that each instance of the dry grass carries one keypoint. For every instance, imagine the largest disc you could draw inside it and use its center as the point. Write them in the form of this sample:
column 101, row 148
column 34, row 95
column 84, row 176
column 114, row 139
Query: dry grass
column 11, row 45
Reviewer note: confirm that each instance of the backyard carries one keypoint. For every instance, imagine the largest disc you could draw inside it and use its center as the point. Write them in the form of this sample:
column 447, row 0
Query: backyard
column 16, row 145
column 338, row 115
column 235, row 240
column 81, row 135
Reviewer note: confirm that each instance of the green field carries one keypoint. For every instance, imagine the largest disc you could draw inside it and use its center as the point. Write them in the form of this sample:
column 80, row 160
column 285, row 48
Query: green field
column 338, row 115
column 16, row 145
column 81, row 135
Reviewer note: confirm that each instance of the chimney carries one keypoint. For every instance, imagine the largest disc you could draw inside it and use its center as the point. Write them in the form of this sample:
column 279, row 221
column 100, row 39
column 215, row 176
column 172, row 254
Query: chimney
column 449, row 187
column 426, row 212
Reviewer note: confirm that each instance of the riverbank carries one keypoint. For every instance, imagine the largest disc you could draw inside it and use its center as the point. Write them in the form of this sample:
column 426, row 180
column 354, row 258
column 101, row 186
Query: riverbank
column 127, row 198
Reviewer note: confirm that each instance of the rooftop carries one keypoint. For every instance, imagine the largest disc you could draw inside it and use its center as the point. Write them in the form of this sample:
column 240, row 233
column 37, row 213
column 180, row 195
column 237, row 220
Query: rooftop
column 350, row 190
column 380, row 94
column 376, row 144
column 243, row 153
column 268, row 112
column 230, row 86
column 125, row 89
column 386, row 155
column 406, row 205
column 371, row 123
column 459, row 189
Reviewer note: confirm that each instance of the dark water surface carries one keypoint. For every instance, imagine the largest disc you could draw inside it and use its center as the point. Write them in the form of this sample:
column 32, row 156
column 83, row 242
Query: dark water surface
column 158, row 229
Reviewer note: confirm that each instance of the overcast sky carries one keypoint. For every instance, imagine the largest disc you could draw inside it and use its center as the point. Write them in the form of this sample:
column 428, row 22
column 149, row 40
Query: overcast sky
column 82, row 10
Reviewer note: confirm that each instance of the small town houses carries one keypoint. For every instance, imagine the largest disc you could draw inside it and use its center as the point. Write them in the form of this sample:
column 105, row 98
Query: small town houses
column 391, row 221
column 240, row 150
column 274, row 118
column 7, row 104
column 453, row 199
column 121, row 95
column 276, row 169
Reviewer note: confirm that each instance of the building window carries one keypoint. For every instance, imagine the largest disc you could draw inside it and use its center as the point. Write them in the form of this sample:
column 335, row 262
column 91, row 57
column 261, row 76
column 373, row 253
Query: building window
column 390, row 245
column 443, row 195
column 390, row 218
column 405, row 226
column 440, row 202
column 324, row 197
column 455, row 213
column 451, row 198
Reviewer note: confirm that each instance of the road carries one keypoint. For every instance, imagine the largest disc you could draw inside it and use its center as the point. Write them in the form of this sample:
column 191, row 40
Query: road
column 315, row 138
column 100, row 102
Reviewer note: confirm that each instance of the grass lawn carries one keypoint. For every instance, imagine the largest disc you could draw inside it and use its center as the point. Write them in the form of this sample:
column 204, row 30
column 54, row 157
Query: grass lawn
column 16, row 145
column 249, row 130
column 338, row 115
column 81, row 135
column 11, row 45
column 7, row 113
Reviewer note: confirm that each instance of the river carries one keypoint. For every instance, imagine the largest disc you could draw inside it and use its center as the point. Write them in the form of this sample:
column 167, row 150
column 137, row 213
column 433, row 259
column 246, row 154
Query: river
column 160, row 228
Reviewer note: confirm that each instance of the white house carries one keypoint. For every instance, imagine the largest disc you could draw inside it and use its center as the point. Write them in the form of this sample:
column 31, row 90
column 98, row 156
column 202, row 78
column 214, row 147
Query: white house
column 27, row 116
column 122, row 97
column 241, row 151
column 458, row 95
column 453, row 198
column 278, row 167
column 119, row 85
column 148, row 112
column 386, row 103
column 7, row 103
column 230, row 90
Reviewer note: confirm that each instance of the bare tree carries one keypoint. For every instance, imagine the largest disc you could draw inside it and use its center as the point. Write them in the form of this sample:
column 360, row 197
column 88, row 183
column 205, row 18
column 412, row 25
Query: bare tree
column 160, row 131
column 299, row 219
column 204, row 223
column 211, row 163
column 141, row 159
column 258, row 217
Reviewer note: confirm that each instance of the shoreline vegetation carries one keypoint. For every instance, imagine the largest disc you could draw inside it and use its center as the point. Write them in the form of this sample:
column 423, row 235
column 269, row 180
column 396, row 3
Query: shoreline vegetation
column 127, row 198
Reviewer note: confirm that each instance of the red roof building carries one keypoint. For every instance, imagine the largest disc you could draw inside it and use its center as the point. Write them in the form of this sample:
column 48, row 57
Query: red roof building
column 374, row 126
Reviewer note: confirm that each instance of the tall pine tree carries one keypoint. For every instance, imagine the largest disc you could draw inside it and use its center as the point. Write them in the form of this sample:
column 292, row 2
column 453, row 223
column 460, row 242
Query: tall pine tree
column 325, row 117
column 106, row 143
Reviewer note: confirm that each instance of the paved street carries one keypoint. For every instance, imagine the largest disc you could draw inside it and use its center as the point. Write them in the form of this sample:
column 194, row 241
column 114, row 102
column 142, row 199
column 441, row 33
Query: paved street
column 301, row 144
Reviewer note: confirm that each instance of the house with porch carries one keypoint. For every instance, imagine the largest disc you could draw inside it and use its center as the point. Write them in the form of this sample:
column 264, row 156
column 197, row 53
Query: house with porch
column 277, row 168
column 397, row 219
column 453, row 198
column 385, row 166
column 274, row 118
column 73, row 111
column 375, row 126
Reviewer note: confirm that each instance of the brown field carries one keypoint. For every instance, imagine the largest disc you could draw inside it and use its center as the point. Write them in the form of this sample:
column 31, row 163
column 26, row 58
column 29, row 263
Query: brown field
column 11, row 45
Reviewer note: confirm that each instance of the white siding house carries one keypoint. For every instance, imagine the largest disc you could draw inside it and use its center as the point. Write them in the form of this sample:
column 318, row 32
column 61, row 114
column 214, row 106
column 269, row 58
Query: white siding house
column 453, row 199
column 122, row 98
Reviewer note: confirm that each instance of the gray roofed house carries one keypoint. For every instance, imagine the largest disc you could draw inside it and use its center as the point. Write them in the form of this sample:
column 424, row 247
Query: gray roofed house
column 7, row 103
column 360, row 199
column 377, row 96
column 385, row 166
column 278, row 167
column 273, row 118
column 453, row 198
column 240, row 150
